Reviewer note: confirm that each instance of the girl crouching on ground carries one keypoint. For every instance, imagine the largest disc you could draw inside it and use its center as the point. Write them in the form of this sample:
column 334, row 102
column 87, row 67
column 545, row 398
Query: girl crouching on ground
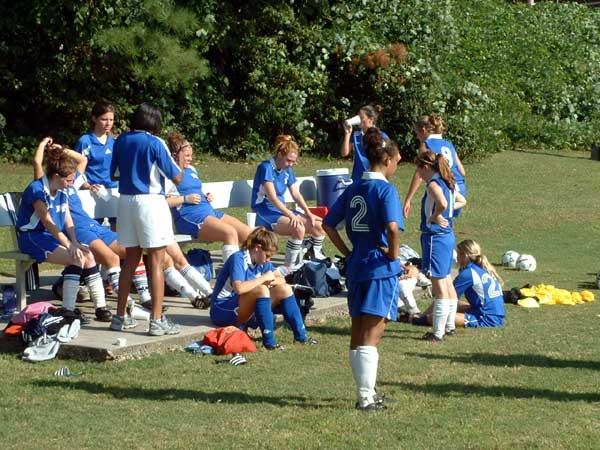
column 249, row 285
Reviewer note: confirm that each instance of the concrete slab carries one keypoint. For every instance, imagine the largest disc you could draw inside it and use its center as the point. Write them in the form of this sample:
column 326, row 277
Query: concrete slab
column 96, row 342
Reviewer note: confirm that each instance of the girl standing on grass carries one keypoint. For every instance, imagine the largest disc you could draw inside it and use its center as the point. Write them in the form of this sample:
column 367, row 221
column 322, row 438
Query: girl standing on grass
column 97, row 146
column 272, row 179
column 249, row 285
column 191, row 208
column 368, row 118
column 428, row 130
column 46, row 231
column 373, row 215
column 437, row 238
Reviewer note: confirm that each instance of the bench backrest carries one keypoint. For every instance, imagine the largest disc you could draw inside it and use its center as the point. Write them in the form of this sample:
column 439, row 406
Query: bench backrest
column 226, row 194
column 9, row 206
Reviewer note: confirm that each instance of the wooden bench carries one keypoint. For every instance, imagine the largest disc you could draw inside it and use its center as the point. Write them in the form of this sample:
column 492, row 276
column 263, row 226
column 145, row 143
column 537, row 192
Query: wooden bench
column 227, row 194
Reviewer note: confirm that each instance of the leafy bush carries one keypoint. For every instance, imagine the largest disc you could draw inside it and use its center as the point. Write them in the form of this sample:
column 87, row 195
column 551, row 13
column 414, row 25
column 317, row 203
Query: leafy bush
column 500, row 73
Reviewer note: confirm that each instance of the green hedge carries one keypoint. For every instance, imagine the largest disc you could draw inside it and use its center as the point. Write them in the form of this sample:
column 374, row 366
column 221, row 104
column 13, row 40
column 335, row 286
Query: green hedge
column 231, row 75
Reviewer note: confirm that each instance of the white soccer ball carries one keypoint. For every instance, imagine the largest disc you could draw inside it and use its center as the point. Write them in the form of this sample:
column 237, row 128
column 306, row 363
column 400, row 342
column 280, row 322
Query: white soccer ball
column 526, row 262
column 509, row 259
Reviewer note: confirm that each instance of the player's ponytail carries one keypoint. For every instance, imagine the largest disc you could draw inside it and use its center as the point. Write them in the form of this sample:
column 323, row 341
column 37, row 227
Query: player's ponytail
column 432, row 123
column 372, row 112
column 472, row 251
column 176, row 143
column 285, row 144
column 377, row 147
column 443, row 168
column 58, row 162
column 439, row 164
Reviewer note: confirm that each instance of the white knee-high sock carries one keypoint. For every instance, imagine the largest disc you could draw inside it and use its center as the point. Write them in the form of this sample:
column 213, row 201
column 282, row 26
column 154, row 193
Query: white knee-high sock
column 140, row 281
column 176, row 281
column 228, row 250
column 368, row 362
column 196, row 279
column 70, row 289
column 93, row 281
column 407, row 286
column 292, row 251
column 451, row 322
column 440, row 315
column 317, row 245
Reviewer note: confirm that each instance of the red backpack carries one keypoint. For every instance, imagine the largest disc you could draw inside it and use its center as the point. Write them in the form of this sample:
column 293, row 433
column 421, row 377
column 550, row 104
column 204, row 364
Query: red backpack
column 227, row 340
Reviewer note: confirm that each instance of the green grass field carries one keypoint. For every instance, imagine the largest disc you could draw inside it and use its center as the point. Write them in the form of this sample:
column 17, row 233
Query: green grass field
column 533, row 384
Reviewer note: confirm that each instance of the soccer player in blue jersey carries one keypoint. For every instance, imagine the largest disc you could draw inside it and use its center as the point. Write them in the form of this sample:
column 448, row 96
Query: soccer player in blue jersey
column 249, row 285
column 272, row 179
column 478, row 281
column 46, row 231
column 373, row 215
column 191, row 208
column 141, row 162
column 428, row 130
column 97, row 146
column 437, row 238
column 480, row 284
column 368, row 118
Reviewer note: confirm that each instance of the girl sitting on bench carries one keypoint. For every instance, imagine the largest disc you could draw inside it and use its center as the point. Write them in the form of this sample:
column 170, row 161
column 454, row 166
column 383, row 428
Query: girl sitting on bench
column 46, row 231
column 191, row 208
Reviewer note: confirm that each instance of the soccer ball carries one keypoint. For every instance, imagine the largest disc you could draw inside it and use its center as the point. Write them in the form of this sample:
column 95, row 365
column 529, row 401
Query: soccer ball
column 526, row 262
column 509, row 259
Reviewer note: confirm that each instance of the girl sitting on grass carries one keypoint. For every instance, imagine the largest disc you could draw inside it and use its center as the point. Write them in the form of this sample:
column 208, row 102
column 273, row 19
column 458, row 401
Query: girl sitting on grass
column 480, row 284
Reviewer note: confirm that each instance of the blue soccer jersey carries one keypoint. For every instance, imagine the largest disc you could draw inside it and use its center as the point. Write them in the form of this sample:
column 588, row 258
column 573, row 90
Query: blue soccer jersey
column 482, row 291
column 99, row 157
column 142, row 162
column 428, row 206
column 238, row 267
column 190, row 184
column 361, row 163
column 440, row 146
column 28, row 220
column 281, row 179
column 367, row 207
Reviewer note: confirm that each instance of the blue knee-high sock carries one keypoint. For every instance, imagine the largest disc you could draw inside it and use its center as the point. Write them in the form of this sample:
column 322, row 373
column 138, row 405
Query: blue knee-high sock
column 266, row 322
column 293, row 317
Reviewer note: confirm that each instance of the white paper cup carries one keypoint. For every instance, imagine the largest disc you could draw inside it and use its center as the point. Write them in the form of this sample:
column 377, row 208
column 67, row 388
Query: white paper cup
column 140, row 313
column 352, row 121
column 102, row 193
column 251, row 219
column 121, row 342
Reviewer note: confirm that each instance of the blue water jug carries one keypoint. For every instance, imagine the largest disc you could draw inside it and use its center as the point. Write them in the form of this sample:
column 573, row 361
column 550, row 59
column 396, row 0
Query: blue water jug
column 330, row 185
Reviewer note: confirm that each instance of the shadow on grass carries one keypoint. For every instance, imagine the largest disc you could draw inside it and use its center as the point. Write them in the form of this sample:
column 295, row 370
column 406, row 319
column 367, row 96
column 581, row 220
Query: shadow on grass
column 136, row 392
column 494, row 359
column 456, row 389
column 586, row 285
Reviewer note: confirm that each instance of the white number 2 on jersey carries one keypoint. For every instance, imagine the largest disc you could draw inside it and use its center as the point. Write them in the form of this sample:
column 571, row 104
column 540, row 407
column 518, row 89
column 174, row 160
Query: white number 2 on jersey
column 357, row 221
column 494, row 289
column 448, row 155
